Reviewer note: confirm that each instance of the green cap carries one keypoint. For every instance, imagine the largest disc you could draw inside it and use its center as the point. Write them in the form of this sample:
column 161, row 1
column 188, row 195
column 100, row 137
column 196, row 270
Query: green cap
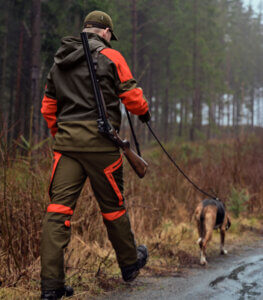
column 99, row 19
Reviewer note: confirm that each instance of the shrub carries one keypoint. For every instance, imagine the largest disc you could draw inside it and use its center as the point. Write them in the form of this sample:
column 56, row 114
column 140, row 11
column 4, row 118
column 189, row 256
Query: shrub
column 238, row 201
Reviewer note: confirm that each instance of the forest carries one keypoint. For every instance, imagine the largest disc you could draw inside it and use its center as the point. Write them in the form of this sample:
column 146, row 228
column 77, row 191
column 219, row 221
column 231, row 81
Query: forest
column 200, row 64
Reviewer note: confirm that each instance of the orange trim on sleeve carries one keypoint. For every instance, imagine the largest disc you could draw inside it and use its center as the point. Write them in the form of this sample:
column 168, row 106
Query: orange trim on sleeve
column 134, row 101
column 108, row 172
column 60, row 209
column 49, row 109
column 120, row 62
column 114, row 215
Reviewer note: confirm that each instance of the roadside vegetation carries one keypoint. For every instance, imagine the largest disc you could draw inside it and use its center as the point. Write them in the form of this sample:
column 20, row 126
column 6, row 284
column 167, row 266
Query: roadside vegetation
column 160, row 208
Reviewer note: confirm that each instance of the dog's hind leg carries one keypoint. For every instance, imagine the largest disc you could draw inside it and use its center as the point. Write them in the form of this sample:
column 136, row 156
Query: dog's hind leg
column 200, row 232
column 222, row 244
column 202, row 256
column 199, row 222
column 204, row 243
column 208, row 230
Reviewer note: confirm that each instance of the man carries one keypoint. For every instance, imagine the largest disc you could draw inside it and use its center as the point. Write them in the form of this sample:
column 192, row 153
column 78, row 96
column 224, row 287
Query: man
column 80, row 150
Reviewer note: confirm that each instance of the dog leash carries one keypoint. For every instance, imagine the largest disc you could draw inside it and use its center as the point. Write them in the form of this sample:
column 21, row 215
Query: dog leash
column 133, row 133
column 176, row 165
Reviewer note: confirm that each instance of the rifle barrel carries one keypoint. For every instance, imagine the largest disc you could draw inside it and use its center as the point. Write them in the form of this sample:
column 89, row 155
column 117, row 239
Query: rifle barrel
column 94, row 81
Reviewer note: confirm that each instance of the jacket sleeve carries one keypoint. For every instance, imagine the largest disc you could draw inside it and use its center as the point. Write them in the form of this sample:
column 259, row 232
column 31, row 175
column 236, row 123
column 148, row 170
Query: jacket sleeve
column 130, row 94
column 49, row 105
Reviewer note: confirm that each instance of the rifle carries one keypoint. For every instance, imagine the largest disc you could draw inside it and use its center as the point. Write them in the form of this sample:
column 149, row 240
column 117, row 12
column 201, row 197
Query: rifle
column 105, row 127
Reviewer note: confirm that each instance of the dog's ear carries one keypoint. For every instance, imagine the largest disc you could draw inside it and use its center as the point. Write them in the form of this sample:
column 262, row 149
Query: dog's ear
column 228, row 222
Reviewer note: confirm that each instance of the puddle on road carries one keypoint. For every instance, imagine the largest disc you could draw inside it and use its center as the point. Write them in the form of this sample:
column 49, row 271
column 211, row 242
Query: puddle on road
column 243, row 282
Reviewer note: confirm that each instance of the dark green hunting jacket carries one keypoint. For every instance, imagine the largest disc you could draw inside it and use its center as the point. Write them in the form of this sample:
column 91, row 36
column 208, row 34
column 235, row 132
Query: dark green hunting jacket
column 68, row 104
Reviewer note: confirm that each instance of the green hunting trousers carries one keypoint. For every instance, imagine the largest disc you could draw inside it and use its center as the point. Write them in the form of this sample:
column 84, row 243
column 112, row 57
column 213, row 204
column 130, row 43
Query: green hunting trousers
column 70, row 171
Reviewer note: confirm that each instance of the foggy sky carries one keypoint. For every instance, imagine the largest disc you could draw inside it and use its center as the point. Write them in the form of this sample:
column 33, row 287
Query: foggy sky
column 254, row 3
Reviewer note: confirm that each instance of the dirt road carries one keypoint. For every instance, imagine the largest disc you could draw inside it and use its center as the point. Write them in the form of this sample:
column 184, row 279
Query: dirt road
column 239, row 275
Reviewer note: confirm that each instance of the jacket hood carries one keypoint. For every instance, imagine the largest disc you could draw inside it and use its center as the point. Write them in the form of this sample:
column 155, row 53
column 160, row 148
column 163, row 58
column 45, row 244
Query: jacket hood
column 71, row 51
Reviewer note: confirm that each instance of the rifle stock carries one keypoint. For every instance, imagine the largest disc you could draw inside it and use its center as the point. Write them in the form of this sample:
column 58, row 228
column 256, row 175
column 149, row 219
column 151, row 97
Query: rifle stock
column 138, row 164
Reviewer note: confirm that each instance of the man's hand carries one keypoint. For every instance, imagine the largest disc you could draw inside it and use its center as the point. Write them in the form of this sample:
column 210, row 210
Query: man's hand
column 145, row 118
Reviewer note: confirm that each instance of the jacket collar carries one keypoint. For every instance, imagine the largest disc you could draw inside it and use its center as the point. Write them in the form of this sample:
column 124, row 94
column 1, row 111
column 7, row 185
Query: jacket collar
column 97, row 37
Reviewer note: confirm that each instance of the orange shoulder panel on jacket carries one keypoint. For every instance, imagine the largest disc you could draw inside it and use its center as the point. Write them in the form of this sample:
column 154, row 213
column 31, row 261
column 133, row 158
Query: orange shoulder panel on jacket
column 123, row 69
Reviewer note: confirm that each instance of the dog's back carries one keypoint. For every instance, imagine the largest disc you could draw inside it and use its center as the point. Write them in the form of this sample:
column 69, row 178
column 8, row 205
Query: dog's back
column 220, row 210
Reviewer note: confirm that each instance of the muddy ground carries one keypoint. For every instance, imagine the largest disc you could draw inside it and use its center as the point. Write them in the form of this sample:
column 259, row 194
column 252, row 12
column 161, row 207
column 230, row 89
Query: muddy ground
column 238, row 275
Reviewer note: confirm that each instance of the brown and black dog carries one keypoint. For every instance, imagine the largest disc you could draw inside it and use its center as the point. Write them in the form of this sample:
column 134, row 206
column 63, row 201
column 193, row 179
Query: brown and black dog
column 211, row 214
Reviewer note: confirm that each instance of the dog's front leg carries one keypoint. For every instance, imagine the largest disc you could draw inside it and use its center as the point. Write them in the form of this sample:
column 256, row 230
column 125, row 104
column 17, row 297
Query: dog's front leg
column 222, row 245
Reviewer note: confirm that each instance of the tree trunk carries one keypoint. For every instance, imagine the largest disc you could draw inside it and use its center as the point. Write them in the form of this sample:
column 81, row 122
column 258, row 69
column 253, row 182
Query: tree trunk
column 134, row 36
column 156, row 110
column 211, row 119
column 4, row 63
column 17, row 106
column 186, row 127
column 252, row 104
column 134, row 21
column 180, row 128
column 228, row 111
column 150, row 94
column 196, row 103
column 35, row 63
column 165, row 106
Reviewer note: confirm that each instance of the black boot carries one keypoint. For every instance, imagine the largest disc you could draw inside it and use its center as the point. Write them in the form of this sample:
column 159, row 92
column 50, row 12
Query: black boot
column 57, row 294
column 129, row 273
